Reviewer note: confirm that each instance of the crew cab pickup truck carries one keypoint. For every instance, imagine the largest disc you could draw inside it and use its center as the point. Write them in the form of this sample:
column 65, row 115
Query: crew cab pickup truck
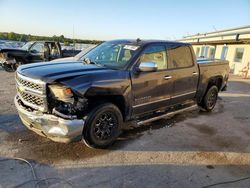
column 31, row 52
column 117, row 82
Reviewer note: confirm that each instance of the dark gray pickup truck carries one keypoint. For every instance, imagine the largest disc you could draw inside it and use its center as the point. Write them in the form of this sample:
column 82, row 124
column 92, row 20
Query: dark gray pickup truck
column 116, row 82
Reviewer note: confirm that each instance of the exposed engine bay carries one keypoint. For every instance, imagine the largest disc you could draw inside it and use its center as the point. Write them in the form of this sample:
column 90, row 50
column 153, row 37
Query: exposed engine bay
column 64, row 102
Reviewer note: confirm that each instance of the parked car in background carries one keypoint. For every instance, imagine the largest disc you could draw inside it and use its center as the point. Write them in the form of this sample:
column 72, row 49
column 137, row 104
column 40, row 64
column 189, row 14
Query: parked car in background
column 78, row 57
column 32, row 52
column 117, row 82
column 11, row 44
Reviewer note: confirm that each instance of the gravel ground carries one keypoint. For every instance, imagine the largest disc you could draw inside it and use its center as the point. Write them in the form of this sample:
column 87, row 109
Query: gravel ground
column 192, row 149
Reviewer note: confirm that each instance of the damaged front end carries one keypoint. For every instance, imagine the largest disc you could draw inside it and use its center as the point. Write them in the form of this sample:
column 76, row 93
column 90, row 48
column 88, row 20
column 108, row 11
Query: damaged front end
column 9, row 64
column 65, row 103
column 53, row 110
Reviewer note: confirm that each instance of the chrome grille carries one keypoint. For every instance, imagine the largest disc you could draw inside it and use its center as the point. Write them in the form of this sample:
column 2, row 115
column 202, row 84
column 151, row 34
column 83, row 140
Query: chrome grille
column 32, row 92
column 29, row 84
column 32, row 99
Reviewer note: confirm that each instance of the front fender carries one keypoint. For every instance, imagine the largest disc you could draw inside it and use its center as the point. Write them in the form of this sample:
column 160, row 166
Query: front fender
column 103, row 86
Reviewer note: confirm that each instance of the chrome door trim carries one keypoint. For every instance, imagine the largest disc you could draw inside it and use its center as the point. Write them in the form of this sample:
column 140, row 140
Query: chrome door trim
column 175, row 96
column 151, row 102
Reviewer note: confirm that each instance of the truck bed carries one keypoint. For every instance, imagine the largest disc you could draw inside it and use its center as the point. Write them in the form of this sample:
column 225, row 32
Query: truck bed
column 211, row 68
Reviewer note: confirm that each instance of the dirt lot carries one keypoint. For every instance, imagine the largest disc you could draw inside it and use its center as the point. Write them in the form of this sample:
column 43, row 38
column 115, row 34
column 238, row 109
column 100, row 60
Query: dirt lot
column 192, row 149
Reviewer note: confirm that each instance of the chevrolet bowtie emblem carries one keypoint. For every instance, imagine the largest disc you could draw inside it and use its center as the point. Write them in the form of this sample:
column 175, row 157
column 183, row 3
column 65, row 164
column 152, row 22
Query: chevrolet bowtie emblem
column 21, row 89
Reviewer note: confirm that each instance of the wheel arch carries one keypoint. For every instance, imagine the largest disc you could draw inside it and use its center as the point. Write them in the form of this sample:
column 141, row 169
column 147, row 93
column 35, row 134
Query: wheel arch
column 117, row 100
column 215, row 80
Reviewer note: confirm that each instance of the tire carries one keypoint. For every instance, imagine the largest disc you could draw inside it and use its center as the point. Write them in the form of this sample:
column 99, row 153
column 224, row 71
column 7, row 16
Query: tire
column 103, row 126
column 11, row 67
column 7, row 67
column 210, row 99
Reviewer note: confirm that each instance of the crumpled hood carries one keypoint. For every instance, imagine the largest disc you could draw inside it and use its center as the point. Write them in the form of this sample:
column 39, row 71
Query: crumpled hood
column 54, row 71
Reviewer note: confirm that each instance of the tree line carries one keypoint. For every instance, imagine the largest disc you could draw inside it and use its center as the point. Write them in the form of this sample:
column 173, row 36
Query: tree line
column 26, row 38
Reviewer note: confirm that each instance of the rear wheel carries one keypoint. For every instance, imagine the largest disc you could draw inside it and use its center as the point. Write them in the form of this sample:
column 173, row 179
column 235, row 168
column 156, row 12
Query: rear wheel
column 103, row 126
column 210, row 99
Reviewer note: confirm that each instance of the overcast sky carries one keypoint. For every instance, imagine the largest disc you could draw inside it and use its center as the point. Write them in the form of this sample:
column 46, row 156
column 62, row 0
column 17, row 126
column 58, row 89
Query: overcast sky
column 110, row 19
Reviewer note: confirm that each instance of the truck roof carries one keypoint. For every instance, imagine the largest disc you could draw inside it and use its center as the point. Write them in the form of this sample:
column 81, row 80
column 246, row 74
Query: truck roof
column 148, row 41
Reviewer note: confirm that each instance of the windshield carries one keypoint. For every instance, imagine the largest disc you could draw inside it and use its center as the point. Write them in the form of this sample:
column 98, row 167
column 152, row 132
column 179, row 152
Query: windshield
column 112, row 54
column 27, row 45
column 80, row 55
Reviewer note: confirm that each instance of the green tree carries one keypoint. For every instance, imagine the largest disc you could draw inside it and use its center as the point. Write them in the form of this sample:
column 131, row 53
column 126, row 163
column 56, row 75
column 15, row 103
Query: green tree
column 11, row 36
column 54, row 38
column 61, row 38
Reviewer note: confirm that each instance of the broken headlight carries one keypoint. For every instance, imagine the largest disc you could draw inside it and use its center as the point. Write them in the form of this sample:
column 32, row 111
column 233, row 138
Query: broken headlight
column 64, row 103
column 62, row 93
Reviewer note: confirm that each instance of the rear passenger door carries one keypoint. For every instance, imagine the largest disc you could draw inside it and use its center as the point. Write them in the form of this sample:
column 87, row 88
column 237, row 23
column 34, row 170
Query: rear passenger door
column 185, row 73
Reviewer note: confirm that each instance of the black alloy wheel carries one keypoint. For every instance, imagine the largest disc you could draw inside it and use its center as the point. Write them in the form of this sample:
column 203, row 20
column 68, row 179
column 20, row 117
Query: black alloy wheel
column 103, row 126
column 210, row 99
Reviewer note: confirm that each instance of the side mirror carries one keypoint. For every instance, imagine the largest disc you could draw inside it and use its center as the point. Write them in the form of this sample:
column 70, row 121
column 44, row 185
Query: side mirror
column 147, row 67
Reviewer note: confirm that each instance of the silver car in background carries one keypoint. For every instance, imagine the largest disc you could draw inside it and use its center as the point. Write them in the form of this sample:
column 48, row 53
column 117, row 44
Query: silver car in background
column 77, row 57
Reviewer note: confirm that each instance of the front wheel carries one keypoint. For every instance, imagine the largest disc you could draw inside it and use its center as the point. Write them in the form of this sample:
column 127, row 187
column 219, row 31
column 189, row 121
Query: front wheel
column 209, row 101
column 11, row 65
column 103, row 126
column 8, row 67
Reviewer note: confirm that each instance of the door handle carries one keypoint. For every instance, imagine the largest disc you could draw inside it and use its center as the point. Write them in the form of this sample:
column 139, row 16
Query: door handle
column 167, row 77
column 195, row 73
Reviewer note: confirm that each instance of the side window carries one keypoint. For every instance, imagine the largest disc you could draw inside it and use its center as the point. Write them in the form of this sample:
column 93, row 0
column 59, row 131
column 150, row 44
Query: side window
column 156, row 54
column 212, row 52
column 204, row 51
column 238, row 54
column 38, row 48
column 224, row 52
column 197, row 52
column 180, row 57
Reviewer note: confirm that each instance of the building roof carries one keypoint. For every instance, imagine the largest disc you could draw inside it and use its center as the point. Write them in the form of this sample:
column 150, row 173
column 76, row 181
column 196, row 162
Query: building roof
column 233, row 35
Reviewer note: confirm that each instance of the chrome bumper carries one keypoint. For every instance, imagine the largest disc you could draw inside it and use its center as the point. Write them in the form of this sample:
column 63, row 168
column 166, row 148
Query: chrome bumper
column 50, row 126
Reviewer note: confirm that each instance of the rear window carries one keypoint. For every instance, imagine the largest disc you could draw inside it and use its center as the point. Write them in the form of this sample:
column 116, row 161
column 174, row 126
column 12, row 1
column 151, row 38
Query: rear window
column 180, row 57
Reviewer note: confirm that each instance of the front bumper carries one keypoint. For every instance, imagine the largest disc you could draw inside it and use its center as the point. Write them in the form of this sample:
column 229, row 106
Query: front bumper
column 50, row 126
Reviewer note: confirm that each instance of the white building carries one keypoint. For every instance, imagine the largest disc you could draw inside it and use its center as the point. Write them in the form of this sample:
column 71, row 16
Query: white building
column 230, row 44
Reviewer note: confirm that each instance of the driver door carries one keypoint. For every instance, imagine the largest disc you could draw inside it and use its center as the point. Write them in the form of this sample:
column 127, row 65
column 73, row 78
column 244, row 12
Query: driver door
column 36, row 52
column 152, row 90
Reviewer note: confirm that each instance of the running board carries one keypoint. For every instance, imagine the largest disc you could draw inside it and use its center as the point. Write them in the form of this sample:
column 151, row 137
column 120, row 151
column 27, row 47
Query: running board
column 193, row 107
